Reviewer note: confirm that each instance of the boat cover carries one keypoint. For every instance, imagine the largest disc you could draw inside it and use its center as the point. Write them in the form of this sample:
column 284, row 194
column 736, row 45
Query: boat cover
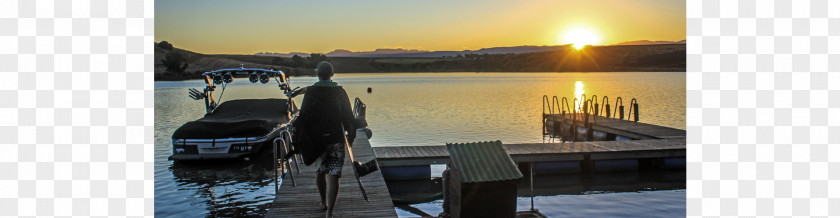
column 237, row 118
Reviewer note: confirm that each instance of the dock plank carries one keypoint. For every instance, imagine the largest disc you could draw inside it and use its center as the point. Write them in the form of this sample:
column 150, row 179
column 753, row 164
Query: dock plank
column 426, row 151
column 415, row 152
column 303, row 200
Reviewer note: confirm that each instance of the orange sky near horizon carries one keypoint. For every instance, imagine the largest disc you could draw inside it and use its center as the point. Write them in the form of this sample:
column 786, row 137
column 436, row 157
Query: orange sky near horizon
column 251, row 26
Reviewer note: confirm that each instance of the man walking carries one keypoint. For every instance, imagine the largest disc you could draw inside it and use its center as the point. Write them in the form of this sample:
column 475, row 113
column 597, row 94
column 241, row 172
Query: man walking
column 324, row 109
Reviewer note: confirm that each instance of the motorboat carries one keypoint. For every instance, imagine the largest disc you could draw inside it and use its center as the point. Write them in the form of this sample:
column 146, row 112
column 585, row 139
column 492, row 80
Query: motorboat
column 235, row 129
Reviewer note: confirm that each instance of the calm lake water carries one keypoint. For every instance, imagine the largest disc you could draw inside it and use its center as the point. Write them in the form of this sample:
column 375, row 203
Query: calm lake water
column 418, row 109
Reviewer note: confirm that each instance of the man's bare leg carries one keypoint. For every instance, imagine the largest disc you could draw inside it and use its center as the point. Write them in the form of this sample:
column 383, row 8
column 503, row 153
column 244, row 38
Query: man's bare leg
column 321, row 182
column 332, row 193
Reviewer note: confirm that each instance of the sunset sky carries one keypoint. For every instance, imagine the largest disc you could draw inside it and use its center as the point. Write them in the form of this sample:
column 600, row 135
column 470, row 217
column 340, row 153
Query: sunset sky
column 251, row 26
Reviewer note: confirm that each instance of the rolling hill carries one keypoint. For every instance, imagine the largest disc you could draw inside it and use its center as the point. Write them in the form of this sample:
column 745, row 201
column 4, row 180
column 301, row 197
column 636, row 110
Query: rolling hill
column 663, row 57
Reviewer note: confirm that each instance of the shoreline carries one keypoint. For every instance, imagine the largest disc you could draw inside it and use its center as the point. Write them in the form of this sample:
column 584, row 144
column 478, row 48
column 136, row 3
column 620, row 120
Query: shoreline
column 158, row 77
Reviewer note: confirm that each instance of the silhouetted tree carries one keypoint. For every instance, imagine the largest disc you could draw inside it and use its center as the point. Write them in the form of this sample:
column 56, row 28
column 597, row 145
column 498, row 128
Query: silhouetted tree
column 314, row 59
column 298, row 61
column 175, row 62
column 278, row 61
column 165, row 45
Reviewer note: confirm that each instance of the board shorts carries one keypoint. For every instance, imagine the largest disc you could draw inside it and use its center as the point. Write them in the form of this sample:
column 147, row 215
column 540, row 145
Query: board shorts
column 332, row 160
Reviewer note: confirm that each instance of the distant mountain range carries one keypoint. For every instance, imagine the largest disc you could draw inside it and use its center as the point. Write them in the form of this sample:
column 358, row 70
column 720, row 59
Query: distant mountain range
column 648, row 42
column 414, row 53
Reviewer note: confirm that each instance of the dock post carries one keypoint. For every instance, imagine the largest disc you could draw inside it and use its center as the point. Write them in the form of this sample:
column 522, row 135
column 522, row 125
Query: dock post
column 446, row 194
column 636, row 112
column 621, row 112
column 573, row 129
column 559, row 130
column 531, row 172
column 573, row 126
column 586, row 125
column 606, row 105
column 587, row 165
column 635, row 108
column 620, row 106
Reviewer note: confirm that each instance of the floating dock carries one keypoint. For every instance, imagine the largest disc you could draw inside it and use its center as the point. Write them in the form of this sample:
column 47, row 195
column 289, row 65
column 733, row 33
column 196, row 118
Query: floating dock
column 621, row 140
column 303, row 200
column 625, row 128
column 536, row 152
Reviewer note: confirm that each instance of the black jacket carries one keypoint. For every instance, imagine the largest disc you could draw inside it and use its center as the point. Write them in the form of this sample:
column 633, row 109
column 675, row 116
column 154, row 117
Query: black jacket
column 324, row 108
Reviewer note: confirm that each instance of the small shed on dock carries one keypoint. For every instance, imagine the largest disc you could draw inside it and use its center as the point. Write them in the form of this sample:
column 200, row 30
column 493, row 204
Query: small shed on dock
column 481, row 182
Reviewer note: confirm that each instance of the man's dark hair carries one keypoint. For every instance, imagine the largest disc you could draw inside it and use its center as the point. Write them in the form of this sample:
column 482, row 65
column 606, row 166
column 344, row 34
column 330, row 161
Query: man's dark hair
column 324, row 70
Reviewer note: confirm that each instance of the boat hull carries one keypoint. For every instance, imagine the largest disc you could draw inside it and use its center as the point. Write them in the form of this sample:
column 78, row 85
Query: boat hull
column 235, row 129
column 226, row 149
column 188, row 157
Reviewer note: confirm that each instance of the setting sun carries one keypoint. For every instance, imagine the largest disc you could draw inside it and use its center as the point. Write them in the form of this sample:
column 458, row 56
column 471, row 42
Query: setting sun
column 580, row 37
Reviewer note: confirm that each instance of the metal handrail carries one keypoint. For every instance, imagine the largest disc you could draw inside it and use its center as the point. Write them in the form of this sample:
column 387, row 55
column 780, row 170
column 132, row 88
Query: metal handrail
column 565, row 102
column 550, row 105
column 620, row 108
column 546, row 103
column 286, row 149
column 594, row 99
column 634, row 108
column 285, row 164
column 591, row 107
column 295, row 156
column 556, row 104
column 585, row 107
column 582, row 100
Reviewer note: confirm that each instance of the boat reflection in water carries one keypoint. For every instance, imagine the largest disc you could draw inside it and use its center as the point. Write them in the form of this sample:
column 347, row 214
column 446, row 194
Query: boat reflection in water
column 228, row 189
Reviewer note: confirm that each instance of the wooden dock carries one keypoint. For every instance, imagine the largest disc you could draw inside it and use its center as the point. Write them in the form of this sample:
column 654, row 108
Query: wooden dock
column 630, row 129
column 304, row 200
column 652, row 141
column 537, row 152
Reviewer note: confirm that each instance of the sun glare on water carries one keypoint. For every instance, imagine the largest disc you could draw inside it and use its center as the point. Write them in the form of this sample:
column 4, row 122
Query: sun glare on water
column 578, row 92
column 580, row 37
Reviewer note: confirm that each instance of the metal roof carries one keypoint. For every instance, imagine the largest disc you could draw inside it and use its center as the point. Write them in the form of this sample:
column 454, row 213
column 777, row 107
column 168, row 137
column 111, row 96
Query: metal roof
column 482, row 161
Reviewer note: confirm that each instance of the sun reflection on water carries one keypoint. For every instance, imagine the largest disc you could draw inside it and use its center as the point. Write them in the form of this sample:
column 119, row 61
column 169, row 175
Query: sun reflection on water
column 578, row 92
